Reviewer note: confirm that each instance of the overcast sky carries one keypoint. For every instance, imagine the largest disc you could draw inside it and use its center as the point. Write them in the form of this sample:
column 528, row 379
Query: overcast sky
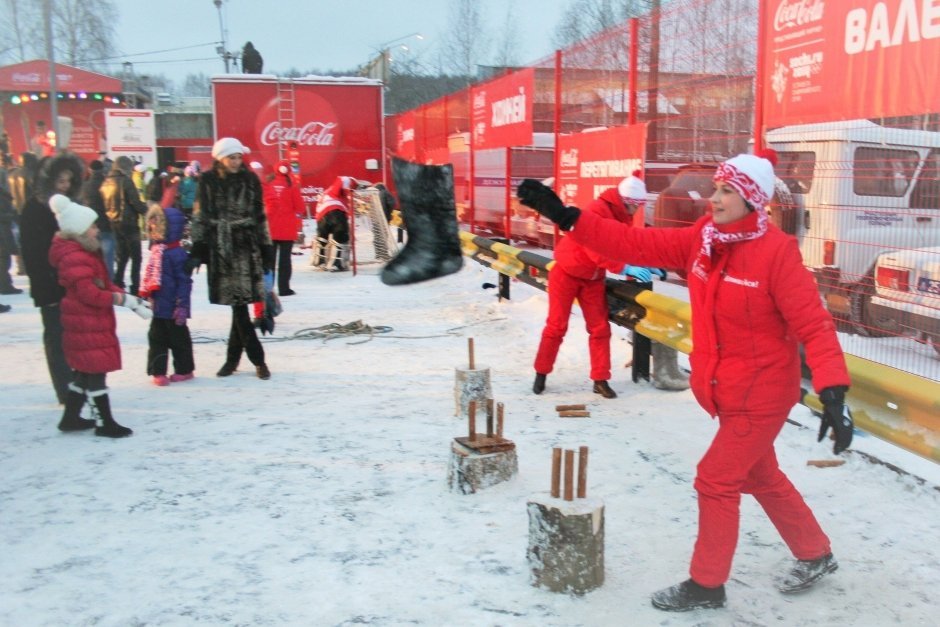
column 307, row 34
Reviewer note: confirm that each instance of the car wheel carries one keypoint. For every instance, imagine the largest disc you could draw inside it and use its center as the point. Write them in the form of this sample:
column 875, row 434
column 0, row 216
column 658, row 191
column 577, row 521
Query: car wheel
column 861, row 318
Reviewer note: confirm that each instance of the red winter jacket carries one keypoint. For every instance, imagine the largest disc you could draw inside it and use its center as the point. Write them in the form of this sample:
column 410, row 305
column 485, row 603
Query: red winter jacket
column 582, row 262
column 752, row 303
column 89, row 329
column 284, row 207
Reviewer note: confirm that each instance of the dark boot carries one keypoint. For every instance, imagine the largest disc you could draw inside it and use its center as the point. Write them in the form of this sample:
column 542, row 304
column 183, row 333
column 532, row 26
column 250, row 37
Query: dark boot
column 601, row 387
column 227, row 369
column 71, row 417
column 426, row 194
column 688, row 595
column 107, row 427
column 538, row 386
column 262, row 371
column 806, row 573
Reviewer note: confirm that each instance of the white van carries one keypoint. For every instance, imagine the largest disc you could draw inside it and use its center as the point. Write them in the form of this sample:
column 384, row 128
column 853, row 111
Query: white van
column 865, row 189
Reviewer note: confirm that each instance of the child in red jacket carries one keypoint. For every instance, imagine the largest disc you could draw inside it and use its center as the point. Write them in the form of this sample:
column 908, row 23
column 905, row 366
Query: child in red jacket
column 89, row 337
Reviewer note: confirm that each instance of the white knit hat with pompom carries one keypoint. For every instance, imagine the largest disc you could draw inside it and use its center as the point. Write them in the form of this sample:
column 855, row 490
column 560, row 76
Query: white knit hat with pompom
column 73, row 218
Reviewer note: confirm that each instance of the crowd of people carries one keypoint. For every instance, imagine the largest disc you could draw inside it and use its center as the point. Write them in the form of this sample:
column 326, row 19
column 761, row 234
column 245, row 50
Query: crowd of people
column 79, row 232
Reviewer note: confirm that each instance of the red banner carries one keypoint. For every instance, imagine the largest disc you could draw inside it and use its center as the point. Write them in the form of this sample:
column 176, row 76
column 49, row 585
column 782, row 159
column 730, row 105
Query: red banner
column 851, row 59
column 597, row 160
column 502, row 111
column 405, row 135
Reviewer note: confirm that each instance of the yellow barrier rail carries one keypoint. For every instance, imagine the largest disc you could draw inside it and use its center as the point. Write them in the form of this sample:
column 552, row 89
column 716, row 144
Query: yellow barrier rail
column 896, row 406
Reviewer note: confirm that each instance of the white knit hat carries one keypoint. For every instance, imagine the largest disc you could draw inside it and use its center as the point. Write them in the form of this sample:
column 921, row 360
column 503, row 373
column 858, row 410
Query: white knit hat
column 73, row 218
column 633, row 188
column 752, row 176
column 228, row 146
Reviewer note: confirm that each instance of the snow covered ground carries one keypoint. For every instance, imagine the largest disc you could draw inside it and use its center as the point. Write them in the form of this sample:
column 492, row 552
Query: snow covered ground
column 319, row 497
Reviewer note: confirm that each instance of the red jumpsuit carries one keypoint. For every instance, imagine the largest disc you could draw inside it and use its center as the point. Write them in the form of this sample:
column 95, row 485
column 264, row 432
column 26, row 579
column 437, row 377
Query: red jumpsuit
column 580, row 273
column 752, row 303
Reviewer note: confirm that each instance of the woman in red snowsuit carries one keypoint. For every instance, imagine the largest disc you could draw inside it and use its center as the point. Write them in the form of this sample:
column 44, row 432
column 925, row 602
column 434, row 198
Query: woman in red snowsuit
column 580, row 273
column 752, row 303
column 285, row 208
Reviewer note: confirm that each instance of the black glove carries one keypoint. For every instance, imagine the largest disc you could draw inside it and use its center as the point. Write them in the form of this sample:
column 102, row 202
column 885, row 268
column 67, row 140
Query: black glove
column 192, row 264
column 836, row 414
column 534, row 194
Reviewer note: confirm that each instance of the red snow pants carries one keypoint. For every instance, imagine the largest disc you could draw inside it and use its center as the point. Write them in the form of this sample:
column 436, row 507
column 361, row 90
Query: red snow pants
column 591, row 294
column 741, row 460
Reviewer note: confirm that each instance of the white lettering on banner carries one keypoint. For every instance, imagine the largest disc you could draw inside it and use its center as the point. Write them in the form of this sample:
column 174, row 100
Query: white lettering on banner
column 798, row 13
column 310, row 134
column 408, row 135
column 806, row 65
column 509, row 110
column 864, row 35
column 569, row 158
column 479, row 100
column 619, row 168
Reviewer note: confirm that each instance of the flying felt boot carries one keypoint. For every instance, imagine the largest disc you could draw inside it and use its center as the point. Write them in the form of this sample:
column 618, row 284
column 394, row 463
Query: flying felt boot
column 426, row 194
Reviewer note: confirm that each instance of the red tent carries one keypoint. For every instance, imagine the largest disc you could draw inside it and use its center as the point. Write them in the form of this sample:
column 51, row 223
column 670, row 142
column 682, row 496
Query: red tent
column 82, row 98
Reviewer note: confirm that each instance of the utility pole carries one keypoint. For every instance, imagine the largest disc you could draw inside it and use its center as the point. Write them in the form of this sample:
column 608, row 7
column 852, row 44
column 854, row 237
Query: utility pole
column 53, row 97
column 221, row 49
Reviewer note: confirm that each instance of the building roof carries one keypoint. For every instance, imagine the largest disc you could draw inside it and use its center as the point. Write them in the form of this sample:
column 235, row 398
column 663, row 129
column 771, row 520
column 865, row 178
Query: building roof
column 34, row 76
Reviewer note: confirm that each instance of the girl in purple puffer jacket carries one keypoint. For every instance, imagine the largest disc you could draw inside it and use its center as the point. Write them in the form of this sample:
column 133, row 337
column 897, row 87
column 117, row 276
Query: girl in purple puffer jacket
column 168, row 285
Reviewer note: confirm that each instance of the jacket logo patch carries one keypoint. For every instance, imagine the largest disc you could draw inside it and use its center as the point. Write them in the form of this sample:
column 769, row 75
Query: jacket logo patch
column 744, row 282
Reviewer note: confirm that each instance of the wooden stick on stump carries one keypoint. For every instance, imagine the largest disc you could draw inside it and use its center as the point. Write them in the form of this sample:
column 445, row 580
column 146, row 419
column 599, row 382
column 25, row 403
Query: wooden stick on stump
column 499, row 420
column 582, row 472
column 556, row 473
column 472, row 412
column 489, row 417
column 569, row 407
column 470, row 349
column 569, row 475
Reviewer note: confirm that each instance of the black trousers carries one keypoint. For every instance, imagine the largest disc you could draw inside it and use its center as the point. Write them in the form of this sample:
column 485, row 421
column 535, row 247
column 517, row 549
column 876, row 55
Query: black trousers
column 128, row 247
column 166, row 336
column 242, row 337
column 284, row 270
column 7, row 250
column 91, row 381
column 59, row 370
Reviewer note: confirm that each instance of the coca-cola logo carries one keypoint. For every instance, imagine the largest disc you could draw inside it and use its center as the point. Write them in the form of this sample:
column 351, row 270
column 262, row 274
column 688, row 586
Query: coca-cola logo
column 315, row 128
column 310, row 134
column 798, row 13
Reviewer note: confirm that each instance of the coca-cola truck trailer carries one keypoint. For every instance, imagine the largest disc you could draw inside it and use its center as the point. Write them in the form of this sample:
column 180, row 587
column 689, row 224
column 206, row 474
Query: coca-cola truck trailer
column 326, row 126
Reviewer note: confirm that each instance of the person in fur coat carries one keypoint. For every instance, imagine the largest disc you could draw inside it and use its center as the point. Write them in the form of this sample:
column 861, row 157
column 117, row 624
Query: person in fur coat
column 89, row 336
column 285, row 208
column 168, row 286
column 753, row 304
column 230, row 235
column 56, row 175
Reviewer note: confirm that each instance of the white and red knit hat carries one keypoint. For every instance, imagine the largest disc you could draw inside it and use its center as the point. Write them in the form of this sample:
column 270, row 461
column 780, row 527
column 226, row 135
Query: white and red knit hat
column 632, row 188
column 752, row 176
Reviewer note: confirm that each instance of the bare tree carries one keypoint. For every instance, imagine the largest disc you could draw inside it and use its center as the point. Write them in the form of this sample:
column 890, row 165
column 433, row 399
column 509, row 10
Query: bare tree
column 507, row 47
column 83, row 31
column 20, row 24
column 584, row 18
column 196, row 85
column 465, row 40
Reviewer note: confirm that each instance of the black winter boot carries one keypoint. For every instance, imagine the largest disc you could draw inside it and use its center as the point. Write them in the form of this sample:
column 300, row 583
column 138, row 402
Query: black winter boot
column 602, row 388
column 71, row 417
column 426, row 194
column 687, row 596
column 227, row 369
column 806, row 573
column 538, row 386
column 107, row 427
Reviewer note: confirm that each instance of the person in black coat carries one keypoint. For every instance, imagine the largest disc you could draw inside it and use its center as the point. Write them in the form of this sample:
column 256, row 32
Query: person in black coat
column 123, row 206
column 91, row 197
column 57, row 175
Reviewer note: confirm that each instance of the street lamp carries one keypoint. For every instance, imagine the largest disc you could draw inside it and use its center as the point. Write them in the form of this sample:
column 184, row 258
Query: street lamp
column 385, row 53
column 221, row 49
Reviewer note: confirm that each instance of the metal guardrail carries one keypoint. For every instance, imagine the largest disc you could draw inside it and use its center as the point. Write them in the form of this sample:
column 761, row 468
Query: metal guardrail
column 896, row 406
